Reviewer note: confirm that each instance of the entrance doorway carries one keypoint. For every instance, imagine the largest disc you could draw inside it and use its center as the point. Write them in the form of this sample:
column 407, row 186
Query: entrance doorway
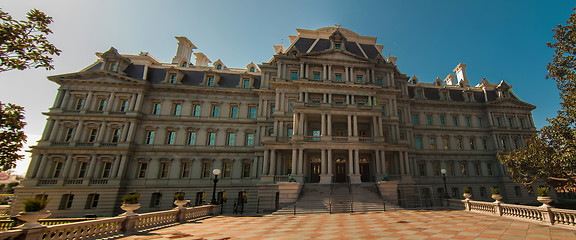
column 340, row 170
column 365, row 172
column 315, row 172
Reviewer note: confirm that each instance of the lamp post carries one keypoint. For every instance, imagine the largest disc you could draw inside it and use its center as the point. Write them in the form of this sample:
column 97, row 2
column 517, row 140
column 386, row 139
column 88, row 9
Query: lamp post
column 443, row 171
column 216, row 172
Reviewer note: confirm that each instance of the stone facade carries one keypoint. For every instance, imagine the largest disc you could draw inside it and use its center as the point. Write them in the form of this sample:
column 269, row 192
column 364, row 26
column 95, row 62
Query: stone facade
column 329, row 108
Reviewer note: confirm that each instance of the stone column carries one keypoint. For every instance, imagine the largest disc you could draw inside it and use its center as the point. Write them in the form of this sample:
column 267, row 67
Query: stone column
column 307, row 73
column 122, row 167
column 110, row 104
column 349, row 126
column 139, row 99
column 132, row 102
column 54, row 132
column 350, row 162
column 330, row 162
column 301, row 161
column 329, row 72
column 324, row 72
column 266, row 162
column 323, row 167
column 355, row 126
column 301, row 125
column 91, row 167
column 273, row 160
column 329, row 124
column 78, row 131
column 102, row 132
column 346, row 77
column 378, row 164
column 408, row 164
column 302, row 70
column 380, row 126
column 356, row 162
column 323, row 125
column 279, row 71
column 124, row 133
column 294, row 161
column 401, row 162
column 64, row 104
column 295, row 123
column 88, row 103
column 277, row 102
column 67, row 165
column 39, row 173
column 384, row 170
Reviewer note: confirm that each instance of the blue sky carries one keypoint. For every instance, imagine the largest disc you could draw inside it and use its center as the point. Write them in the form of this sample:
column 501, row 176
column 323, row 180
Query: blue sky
column 497, row 39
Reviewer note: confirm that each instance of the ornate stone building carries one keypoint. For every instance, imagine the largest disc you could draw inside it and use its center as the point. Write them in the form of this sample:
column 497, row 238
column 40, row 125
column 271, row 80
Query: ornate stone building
column 329, row 108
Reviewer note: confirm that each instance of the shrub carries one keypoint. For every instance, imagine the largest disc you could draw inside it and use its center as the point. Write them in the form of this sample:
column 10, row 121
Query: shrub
column 495, row 191
column 35, row 204
column 543, row 191
column 131, row 198
column 179, row 196
column 466, row 190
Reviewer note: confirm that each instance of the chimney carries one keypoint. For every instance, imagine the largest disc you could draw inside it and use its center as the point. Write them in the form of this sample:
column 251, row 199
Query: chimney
column 184, row 51
column 201, row 60
column 392, row 59
column 460, row 71
column 450, row 79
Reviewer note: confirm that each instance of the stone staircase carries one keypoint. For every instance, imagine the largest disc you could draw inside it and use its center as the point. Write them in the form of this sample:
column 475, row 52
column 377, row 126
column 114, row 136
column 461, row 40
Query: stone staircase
column 315, row 198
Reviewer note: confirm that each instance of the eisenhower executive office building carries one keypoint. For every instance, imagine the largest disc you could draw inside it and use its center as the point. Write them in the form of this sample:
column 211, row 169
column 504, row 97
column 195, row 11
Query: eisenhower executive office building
column 330, row 108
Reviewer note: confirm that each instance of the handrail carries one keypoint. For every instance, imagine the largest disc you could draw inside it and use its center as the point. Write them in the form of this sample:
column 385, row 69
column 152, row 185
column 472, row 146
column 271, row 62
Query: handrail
column 380, row 196
column 331, row 196
column 351, row 197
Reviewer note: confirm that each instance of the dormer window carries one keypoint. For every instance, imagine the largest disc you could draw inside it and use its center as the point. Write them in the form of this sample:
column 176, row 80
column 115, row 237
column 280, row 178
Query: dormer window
column 184, row 64
column 418, row 94
column 337, row 45
column 172, row 78
column 359, row 79
column 246, row 83
column 252, row 69
column 316, row 76
column 219, row 67
column 211, row 81
column 113, row 66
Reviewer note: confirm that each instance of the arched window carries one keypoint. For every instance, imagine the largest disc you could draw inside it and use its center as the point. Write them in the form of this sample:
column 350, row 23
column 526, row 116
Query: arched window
column 252, row 69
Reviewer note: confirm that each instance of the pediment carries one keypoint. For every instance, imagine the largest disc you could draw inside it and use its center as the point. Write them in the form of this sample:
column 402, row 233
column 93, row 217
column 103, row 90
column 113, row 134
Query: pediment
column 337, row 55
column 99, row 76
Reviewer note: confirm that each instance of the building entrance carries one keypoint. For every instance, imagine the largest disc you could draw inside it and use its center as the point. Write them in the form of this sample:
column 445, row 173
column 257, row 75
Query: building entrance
column 340, row 170
column 365, row 172
column 315, row 172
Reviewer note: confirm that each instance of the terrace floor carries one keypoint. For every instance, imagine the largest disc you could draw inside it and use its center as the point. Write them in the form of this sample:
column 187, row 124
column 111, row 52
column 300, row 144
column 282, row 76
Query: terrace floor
column 403, row 224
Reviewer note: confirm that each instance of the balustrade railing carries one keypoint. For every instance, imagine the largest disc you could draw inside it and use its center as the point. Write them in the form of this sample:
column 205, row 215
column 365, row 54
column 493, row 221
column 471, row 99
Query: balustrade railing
column 542, row 214
column 112, row 227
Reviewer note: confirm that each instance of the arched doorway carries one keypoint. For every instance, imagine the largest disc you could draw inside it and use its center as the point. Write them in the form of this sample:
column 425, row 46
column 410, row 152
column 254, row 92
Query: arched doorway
column 364, row 169
column 315, row 166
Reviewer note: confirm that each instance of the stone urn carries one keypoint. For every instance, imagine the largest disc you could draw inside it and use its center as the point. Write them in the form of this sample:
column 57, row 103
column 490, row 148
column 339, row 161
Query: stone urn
column 497, row 197
column 129, row 208
column 467, row 196
column 180, row 203
column 545, row 201
column 31, row 219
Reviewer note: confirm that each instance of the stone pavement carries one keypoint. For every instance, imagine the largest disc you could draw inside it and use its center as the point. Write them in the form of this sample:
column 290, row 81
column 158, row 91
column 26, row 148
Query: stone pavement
column 404, row 224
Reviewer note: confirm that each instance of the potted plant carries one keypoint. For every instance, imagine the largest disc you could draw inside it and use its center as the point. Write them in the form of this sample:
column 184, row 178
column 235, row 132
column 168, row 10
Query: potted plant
column 130, row 203
column 179, row 200
column 467, row 194
column 496, row 194
column 34, row 209
column 543, row 196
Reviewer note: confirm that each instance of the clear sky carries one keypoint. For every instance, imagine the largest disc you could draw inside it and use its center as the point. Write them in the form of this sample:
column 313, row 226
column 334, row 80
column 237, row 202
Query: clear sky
column 497, row 39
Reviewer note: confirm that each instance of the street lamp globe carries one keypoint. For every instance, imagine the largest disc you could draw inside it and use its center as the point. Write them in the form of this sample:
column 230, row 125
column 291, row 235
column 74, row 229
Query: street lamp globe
column 216, row 172
column 443, row 171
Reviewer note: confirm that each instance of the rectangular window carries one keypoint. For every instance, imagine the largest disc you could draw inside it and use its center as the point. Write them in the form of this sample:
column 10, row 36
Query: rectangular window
column 226, row 169
column 510, row 122
column 383, row 111
column 211, row 81
column 66, row 201
column 185, row 170
column 211, row 139
column 92, row 135
column 477, row 169
column 422, row 169
column 156, row 199
column 92, row 201
column 115, row 135
column 436, row 167
column 359, row 79
column 499, row 121
column 102, row 104
column 191, row 138
column 485, row 143
column 455, row 121
column 170, row 137
column 379, row 82
column 234, row 112
column 79, row 103
column 231, row 137
column 250, row 139
column 163, row 170
column 432, row 143
column 450, row 168
column 467, row 120
column 215, row 111
column 415, row 119
column 480, row 122
column 57, row 169
column 252, row 112
column 455, row 193
column 290, row 132
column 337, row 46
column 149, row 137
column 172, row 78
column 446, row 143
column 338, row 77
column 206, row 169
column 196, row 110
column 316, row 76
column 472, row 144
column 442, row 121
column 490, row 171
column 142, row 170
column 463, row 169
column 82, row 169
column 459, row 143
column 246, row 170
column 246, row 83
column 69, row 134
column 176, row 109
column 156, row 109
column 418, row 94
column 290, row 104
column 418, row 143
column 523, row 122
column 124, row 106
column 429, row 120
column 272, row 109
column 106, row 169
column 294, row 75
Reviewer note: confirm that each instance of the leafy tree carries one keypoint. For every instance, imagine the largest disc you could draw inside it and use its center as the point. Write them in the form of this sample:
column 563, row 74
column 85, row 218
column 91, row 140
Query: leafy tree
column 12, row 136
column 23, row 44
column 550, row 154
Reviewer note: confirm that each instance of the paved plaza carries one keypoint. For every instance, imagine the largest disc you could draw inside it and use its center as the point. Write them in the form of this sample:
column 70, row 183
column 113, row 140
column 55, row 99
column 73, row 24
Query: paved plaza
column 404, row 224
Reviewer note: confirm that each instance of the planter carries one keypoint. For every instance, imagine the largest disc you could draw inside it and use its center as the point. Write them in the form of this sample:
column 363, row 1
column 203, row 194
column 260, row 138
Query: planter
column 129, row 208
column 497, row 197
column 180, row 203
column 467, row 196
column 31, row 219
column 545, row 201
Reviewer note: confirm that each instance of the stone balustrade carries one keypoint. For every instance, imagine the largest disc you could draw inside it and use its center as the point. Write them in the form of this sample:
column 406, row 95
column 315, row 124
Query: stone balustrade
column 114, row 226
column 542, row 214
